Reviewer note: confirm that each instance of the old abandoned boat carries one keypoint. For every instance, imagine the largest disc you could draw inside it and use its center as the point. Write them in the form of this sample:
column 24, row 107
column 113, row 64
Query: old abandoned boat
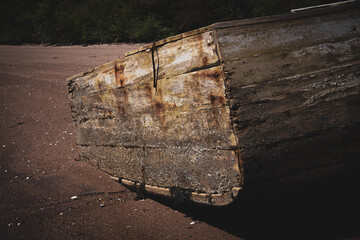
column 232, row 105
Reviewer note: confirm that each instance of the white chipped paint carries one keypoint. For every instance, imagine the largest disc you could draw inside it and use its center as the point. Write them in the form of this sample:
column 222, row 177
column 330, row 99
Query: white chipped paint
column 108, row 79
column 327, row 48
column 208, row 84
column 177, row 87
column 182, row 58
column 139, row 71
column 147, row 121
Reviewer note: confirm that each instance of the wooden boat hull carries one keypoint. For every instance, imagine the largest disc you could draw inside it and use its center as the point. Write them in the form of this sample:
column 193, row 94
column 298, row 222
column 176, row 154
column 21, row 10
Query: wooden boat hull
column 237, row 104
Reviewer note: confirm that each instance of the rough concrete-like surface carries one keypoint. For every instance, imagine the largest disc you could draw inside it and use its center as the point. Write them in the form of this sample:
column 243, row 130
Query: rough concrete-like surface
column 39, row 173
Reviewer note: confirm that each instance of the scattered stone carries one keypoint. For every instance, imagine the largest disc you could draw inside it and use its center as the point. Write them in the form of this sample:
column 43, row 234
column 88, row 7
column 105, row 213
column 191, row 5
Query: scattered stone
column 74, row 197
column 192, row 223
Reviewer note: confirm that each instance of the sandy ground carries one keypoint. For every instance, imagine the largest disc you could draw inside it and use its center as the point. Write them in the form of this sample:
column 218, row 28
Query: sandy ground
column 40, row 172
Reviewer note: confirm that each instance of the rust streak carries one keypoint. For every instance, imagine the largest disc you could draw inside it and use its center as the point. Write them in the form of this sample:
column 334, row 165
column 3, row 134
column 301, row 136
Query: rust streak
column 119, row 75
column 122, row 106
column 212, row 74
column 159, row 107
column 149, row 92
column 205, row 61
column 99, row 84
column 107, row 114
column 216, row 99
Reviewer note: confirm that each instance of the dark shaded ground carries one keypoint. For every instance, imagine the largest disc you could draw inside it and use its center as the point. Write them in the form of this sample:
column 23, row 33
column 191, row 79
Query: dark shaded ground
column 39, row 173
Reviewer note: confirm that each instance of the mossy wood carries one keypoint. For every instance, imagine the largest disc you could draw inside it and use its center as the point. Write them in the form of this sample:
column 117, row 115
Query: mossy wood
column 236, row 104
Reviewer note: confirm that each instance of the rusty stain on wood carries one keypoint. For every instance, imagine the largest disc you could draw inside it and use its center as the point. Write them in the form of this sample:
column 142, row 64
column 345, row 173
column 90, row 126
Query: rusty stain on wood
column 245, row 103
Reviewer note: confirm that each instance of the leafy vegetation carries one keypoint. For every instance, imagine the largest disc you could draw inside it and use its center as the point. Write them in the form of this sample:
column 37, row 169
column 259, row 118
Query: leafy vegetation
column 101, row 21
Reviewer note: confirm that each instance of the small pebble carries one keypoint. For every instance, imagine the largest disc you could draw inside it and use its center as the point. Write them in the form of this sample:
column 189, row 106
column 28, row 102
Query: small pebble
column 102, row 205
column 192, row 223
column 74, row 197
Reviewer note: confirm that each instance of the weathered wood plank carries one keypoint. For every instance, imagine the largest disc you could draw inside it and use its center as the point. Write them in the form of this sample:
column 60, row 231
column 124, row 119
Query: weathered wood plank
column 119, row 161
column 172, row 39
column 301, row 122
column 301, row 92
column 186, row 55
column 106, row 133
column 186, row 109
column 293, row 86
column 258, row 39
column 195, row 168
column 186, row 92
column 288, row 162
column 292, row 62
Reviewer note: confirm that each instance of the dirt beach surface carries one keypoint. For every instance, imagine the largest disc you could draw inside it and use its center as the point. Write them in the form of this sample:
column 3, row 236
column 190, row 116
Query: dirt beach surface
column 46, row 193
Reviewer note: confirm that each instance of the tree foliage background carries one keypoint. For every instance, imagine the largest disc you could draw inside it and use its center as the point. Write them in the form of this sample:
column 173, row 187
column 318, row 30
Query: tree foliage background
column 102, row 21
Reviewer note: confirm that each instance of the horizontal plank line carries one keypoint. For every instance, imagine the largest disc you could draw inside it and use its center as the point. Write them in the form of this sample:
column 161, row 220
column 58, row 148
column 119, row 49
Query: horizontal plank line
column 300, row 75
column 297, row 48
column 233, row 148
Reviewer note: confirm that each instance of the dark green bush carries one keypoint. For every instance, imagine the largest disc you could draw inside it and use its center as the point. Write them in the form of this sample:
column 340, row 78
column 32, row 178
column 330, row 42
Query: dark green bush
column 101, row 21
